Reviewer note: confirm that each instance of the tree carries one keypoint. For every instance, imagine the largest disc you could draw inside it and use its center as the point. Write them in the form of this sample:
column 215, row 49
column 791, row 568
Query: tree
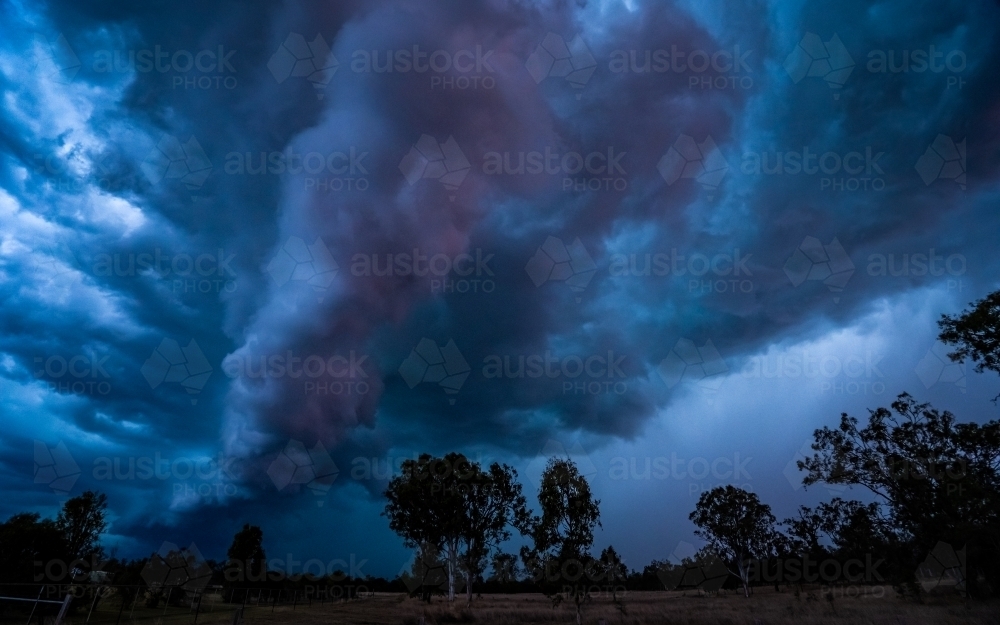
column 563, row 535
column 428, row 573
column 81, row 521
column 853, row 529
column 737, row 526
column 454, row 506
column 934, row 479
column 492, row 502
column 976, row 334
column 425, row 506
column 613, row 570
column 505, row 569
column 26, row 539
column 247, row 561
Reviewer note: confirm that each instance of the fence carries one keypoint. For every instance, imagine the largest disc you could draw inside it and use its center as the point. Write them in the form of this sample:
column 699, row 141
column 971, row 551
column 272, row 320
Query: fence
column 107, row 604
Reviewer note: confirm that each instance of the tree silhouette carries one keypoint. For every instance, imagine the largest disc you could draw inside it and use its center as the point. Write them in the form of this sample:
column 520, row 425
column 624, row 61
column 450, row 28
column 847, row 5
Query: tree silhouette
column 737, row 526
column 26, row 539
column 613, row 570
column 247, row 561
column 505, row 568
column 934, row 479
column 559, row 558
column 976, row 334
column 425, row 506
column 456, row 507
column 492, row 503
column 81, row 521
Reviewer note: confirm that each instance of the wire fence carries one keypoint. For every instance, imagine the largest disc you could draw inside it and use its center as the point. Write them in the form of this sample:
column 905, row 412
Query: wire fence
column 107, row 604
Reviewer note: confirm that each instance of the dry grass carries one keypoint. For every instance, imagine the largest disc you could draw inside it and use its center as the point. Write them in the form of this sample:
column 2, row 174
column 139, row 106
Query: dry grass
column 642, row 608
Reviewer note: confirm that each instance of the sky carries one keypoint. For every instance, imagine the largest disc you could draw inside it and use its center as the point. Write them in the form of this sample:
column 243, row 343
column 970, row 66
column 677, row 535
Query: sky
column 254, row 255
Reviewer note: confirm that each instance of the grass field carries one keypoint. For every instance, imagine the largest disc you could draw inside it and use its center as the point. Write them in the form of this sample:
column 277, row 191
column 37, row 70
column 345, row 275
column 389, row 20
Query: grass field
column 870, row 606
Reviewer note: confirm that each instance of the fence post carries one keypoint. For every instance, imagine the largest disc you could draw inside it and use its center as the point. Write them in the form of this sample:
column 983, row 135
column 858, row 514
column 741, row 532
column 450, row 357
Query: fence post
column 92, row 604
column 122, row 608
column 134, row 601
column 35, row 604
column 197, row 607
column 63, row 609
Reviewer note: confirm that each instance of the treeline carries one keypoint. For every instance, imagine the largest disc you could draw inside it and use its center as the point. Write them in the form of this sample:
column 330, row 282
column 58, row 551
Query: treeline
column 931, row 518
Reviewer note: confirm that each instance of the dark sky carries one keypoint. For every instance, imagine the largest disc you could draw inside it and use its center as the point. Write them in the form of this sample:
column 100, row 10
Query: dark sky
column 263, row 252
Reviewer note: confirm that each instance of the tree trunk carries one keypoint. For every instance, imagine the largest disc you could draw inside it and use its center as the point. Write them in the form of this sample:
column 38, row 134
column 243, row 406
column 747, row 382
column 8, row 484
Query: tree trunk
column 469, row 576
column 744, row 577
column 452, row 561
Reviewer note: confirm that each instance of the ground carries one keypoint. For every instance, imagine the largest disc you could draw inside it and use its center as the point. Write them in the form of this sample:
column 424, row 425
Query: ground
column 871, row 605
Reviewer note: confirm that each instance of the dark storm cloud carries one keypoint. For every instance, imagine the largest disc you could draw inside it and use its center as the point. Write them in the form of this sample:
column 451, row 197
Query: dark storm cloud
column 296, row 256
